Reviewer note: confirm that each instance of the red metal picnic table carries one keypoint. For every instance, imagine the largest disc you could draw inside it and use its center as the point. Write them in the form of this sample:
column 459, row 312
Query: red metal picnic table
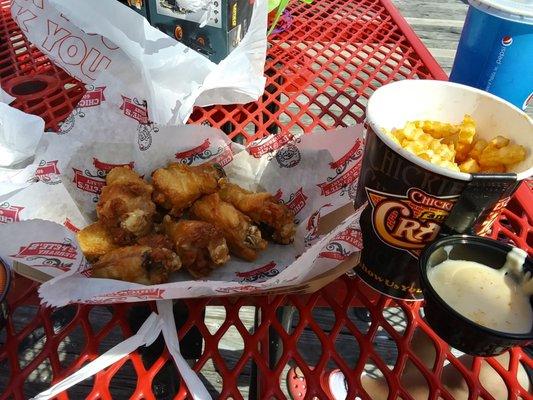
column 321, row 73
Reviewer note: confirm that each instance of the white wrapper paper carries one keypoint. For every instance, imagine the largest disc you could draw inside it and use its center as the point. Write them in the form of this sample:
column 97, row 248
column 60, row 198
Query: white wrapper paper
column 313, row 175
column 137, row 68
column 20, row 140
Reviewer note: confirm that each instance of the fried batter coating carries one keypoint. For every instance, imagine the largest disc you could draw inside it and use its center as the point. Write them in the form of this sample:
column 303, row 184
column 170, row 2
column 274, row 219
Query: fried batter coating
column 200, row 245
column 125, row 206
column 178, row 185
column 263, row 209
column 139, row 264
column 243, row 238
column 95, row 241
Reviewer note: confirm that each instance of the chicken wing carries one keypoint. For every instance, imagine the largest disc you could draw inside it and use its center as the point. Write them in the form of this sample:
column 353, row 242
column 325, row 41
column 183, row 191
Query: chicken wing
column 95, row 241
column 200, row 245
column 243, row 238
column 125, row 206
column 263, row 208
column 178, row 185
column 139, row 264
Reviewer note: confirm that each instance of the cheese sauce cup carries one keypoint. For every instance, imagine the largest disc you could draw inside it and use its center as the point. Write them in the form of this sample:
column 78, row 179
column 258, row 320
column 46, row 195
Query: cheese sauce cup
column 452, row 326
column 409, row 199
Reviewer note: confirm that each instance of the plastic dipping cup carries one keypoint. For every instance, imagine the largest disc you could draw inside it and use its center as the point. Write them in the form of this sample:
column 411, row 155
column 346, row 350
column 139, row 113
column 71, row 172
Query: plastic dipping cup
column 495, row 52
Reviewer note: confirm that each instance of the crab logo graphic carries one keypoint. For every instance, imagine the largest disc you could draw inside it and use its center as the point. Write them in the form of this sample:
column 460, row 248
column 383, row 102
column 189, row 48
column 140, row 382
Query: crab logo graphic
column 408, row 222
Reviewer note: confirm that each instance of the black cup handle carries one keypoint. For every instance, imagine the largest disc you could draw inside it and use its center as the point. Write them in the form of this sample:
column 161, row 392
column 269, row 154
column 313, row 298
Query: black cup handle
column 477, row 200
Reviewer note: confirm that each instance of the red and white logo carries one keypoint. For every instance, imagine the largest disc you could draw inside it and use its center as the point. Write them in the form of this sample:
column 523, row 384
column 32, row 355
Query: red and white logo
column 92, row 98
column 296, row 201
column 9, row 213
column 340, row 182
column 268, row 144
column 266, row 271
column 354, row 153
column 201, row 149
column 351, row 236
column 507, row 41
column 47, row 171
column 70, row 226
column 135, row 109
column 87, row 183
column 222, row 155
column 54, row 249
column 106, row 167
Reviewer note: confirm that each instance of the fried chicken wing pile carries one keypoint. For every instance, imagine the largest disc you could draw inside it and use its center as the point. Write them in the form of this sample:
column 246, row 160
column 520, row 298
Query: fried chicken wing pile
column 177, row 186
column 192, row 217
column 262, row 208
column 244, row 238
column 125, row 206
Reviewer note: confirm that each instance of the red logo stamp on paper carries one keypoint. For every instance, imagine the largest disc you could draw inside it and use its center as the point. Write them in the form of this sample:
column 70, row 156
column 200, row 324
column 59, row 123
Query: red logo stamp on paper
column 296, row 201
column 266, row 271
column 135, row 109
column 9, row 213
column 48, row 172
column 222, row 155
column 48, row 254
column 87, row 183
column 70, row 226
column 106, row 167
column 92, row 98
column 340, row 182
column 268, row 144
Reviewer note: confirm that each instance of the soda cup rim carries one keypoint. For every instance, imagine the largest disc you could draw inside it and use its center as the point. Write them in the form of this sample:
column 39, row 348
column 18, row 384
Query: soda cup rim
column 508, row 9
column 462, row 176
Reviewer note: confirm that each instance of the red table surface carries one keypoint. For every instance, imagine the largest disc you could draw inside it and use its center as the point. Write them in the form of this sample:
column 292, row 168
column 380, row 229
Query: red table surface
column 320, row 74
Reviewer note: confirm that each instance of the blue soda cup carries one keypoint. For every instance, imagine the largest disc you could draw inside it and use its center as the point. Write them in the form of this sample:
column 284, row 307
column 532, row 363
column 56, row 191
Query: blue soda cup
column 495, row 52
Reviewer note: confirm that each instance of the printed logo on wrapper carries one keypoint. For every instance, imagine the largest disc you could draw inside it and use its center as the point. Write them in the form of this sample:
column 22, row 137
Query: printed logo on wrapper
column 266, row 271
column 312, row 225
column 344, row 180
column 337, row 251
column 296, row 201
column 288, row 156
column 48, row 254
column 93, row 97
column 48, row 172
column 124, row 295
column 135, row 109
column 268, row 144
column 222, row 155
column 9, row 213
column 408, row 222
column 70, row 226
column 93, row 182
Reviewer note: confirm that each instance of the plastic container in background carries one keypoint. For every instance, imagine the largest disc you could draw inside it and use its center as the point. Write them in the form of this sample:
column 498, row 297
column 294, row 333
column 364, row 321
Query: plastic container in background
column 495, row 52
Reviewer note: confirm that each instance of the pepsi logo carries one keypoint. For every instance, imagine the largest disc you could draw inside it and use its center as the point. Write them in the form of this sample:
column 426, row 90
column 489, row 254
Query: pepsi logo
column 507, row 41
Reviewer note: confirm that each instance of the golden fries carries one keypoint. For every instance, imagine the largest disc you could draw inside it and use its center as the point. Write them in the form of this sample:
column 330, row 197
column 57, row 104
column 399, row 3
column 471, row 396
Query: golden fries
column 456, row 146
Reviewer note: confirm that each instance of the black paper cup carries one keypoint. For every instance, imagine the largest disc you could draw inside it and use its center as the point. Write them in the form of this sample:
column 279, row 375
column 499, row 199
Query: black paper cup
column 409, row 199
column 457, row 330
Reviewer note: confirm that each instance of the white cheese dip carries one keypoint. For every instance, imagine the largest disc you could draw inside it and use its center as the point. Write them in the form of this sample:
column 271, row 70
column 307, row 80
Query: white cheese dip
column 496, row 299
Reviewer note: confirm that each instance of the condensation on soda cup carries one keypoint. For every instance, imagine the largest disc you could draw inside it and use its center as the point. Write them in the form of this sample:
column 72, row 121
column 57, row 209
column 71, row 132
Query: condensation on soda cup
column 495, row 52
